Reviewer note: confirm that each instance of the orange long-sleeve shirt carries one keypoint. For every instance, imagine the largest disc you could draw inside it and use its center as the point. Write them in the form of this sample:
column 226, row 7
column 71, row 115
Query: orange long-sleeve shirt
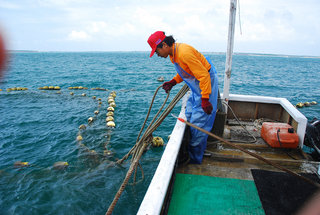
column 194, row 63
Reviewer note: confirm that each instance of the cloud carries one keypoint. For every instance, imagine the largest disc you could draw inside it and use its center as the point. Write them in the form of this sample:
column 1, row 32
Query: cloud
column 9, row 5
column 127, row 24
column 78, row 36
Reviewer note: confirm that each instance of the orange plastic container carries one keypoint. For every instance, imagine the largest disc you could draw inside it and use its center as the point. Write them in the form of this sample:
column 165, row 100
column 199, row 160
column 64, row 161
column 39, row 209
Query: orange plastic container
column 272, row 132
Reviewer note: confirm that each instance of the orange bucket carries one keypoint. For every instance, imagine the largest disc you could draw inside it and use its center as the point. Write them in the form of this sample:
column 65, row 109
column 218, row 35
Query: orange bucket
column 279, row 135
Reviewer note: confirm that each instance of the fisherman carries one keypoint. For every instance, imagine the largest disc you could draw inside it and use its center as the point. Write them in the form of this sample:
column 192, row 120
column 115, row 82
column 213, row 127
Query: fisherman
column 201, row 77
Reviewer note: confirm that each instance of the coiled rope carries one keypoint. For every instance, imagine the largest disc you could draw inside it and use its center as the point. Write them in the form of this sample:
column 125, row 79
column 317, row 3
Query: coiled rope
column 146, row 139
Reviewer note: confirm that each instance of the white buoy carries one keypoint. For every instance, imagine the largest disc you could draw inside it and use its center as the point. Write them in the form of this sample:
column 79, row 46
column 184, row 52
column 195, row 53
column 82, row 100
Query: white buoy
column 60, row 165
column 111, row 124
column 110, row 109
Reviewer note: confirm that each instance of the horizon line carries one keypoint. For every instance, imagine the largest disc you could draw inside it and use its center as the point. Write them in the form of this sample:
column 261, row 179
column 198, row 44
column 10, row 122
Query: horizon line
column 216, row 52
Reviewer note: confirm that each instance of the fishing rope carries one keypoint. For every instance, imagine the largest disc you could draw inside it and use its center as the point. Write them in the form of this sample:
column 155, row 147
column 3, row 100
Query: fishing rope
column 138, row 149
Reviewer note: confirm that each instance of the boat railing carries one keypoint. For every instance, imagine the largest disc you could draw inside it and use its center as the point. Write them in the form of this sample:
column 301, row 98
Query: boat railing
column 285, row 104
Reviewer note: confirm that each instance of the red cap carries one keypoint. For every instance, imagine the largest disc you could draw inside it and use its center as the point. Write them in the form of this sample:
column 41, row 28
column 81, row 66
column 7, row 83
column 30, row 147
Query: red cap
column 155, row 39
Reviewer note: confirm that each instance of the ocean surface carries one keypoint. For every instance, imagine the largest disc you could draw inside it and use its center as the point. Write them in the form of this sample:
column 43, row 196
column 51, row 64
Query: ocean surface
column 41, row 126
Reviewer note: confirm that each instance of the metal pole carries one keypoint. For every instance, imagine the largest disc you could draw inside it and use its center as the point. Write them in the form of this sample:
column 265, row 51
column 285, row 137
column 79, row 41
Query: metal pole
column 232, row 21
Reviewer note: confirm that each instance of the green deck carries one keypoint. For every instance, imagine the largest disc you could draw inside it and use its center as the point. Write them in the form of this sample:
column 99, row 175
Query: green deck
column 198, row 194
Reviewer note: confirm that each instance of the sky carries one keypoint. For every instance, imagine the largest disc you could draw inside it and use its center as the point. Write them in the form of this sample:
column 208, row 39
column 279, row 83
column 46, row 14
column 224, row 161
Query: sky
column 262, row 26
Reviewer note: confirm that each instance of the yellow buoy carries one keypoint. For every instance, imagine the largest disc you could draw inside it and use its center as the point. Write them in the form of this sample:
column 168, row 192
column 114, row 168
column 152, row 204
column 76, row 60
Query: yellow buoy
column 72, row 93
column 0, row 90
column 110, row 113
column 99, row 99
column 90, row 119
column 107, row 152
column 79, row 138
column 110, row 100
column 299, row 105
column 80, row 87
column 109, row 118
column 57, row 88
column 83, row 94
column 94, row 97
column 45, row 88
column 60, row 165
column 92, row 152
column 307, row 104
column 96, row 112
column 314, row 103
column 113, row 104
column 82, row 127
column 157, row 141
column 19, row 164
column 113, row 93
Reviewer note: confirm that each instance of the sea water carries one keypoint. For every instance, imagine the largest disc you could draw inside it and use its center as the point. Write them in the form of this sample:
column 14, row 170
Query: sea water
column 40, row 127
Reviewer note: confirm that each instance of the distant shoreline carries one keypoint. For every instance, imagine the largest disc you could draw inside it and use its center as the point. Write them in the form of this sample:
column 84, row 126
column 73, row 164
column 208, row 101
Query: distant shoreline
column 220, row 53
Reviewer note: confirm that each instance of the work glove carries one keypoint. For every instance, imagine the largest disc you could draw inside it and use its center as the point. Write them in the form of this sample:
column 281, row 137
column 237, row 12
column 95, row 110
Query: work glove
column 168, row 85
column 206, row 105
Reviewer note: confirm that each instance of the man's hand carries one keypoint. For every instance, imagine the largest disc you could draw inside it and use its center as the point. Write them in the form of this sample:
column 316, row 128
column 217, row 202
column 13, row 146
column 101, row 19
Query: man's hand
column 206, row 105
column 168, row 85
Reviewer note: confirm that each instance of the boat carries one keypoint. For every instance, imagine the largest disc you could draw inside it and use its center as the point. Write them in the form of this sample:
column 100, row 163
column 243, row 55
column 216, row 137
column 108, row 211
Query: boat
column 230, row 179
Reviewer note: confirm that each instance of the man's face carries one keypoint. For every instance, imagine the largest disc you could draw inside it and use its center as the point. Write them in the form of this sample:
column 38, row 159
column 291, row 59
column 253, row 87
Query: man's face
column 164, row 51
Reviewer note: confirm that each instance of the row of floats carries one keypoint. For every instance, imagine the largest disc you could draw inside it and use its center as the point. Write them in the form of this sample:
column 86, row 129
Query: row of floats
column 94, row 156
column 54, row 88
column 305, row 104
column 110, row 123
column 298, row 105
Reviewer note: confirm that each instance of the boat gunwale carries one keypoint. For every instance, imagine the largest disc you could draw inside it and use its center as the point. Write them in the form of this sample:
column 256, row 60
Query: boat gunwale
column 155, row 195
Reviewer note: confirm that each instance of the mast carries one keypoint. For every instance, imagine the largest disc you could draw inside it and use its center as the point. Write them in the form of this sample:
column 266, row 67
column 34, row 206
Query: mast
column 232, row 21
